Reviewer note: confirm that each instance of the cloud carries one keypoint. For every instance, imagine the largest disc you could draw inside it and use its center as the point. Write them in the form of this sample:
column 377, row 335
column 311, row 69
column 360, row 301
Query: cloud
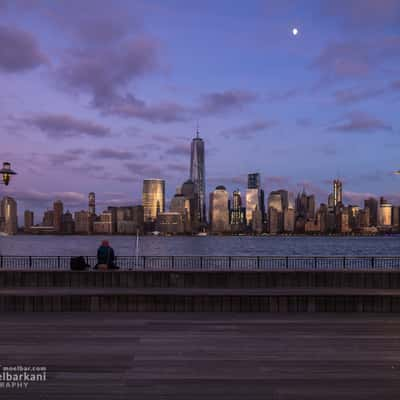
column 179, row 149
column 375, row 176
column 144, row 170
column 176, row 168
column 129, row 106
column 19, row 50
column 360, row 122
column 63, row 158
column 396, row 85
column 112, row 154
column 284, row 95
column 353, row 95
column 102, row 71
column 248, row 130
column 357, row 197
column 304, row 122
column 276, row 180
column 355, row 59
column 102, row 29
column 240, row 180
column 64, row 126
column 311, row 188
column 367, row 14
column 327, row 149
column 33, row 196
column 339, row 60
column 229, row 100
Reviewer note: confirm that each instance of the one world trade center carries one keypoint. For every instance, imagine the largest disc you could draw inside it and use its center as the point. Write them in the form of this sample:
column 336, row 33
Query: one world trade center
column 197, row 175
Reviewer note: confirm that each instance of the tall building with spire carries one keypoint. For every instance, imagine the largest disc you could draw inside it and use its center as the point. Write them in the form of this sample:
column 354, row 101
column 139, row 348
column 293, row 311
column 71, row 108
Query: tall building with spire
column 197, row 176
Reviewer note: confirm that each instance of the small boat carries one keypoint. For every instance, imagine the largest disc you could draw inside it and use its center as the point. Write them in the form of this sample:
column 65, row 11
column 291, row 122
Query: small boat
column 4, row 234
column 155, row 233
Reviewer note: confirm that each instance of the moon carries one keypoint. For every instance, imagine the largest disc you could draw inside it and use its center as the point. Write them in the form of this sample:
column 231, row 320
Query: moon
column 295, row 31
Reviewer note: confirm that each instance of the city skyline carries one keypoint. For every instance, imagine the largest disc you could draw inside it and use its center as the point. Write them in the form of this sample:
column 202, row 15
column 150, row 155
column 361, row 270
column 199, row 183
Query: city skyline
column 302, row 110
column 281, row 214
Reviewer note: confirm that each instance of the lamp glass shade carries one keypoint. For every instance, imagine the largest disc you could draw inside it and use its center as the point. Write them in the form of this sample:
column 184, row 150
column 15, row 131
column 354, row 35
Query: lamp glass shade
column 6, row 173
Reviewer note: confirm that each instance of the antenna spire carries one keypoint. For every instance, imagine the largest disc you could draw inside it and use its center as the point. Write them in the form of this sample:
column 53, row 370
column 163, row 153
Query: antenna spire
column 197, row 129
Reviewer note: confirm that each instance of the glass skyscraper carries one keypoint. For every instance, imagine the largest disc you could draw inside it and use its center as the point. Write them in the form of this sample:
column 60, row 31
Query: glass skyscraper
column 197, row 175
column 153, row 198
column 253, row 181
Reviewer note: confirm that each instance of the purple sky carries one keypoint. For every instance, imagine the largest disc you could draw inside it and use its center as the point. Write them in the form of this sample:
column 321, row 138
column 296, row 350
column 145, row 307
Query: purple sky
column 98, row 95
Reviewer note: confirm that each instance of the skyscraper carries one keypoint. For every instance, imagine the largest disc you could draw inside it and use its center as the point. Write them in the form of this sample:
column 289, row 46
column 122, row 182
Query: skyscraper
column 28, row 220
column 237, row 211
column 384, row 214
column 197, row 175
column 219, row 210
column 372, row 205
column 254, row 181
column 58, row 208
column 276, row 211
column 81, row 221
column 275, row 201
column 188, row 191
column 337, row 192
column 48, row 218
column 92, row 203
column 252, row 203
column 153, row 198
column 9, row 215
column 254, row 198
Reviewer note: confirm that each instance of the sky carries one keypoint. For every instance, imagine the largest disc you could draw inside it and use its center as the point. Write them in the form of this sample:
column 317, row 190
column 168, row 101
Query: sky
column 98, row 95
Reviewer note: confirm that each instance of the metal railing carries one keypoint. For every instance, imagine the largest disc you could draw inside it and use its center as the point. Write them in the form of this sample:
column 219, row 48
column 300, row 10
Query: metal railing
column 212, row 263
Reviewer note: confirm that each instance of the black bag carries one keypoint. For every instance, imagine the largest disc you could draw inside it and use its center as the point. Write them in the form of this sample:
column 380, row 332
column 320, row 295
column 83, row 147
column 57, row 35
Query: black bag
column 78, row 264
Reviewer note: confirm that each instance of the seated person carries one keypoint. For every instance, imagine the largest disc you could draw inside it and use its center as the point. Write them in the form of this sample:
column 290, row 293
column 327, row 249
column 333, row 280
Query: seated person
column 106, row 256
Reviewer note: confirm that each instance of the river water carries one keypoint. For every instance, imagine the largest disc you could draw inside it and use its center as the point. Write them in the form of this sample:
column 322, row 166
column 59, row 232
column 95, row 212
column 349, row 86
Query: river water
column 211, row 245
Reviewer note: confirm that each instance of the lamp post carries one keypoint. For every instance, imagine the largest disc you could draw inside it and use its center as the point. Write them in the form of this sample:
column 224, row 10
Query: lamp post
column 6, row 172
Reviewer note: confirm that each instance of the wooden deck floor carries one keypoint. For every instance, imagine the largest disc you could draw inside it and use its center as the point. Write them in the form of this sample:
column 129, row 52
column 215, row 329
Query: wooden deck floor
column 204, row 356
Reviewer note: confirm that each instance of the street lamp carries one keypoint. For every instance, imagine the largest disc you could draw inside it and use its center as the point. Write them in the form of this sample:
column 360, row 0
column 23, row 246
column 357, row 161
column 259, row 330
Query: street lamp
column 6, row 173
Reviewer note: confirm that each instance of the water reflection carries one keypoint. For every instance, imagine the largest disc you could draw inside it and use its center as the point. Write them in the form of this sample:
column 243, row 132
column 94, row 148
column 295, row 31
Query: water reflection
column 211, row 245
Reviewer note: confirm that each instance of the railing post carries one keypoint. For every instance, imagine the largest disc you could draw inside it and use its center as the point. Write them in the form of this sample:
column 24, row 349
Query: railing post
column 1, row 261
column 372, row 262
column 315, row 262
column 59, row 262
column 258, row 262
column 201, row 262
column 230, row 262
column 144, row 262
column 287, row 262
column 344, row 262
column 172, row 262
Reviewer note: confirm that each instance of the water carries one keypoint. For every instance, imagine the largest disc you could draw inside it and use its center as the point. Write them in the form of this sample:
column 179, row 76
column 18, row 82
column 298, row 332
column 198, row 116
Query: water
column 210, row 245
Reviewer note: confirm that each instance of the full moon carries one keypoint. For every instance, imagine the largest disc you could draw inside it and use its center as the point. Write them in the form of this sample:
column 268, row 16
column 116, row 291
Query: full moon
column 295, row 31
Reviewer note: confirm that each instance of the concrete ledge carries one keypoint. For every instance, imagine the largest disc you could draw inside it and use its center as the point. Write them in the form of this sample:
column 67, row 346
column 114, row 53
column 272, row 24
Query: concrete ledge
column 200, row 300
column 202, row 279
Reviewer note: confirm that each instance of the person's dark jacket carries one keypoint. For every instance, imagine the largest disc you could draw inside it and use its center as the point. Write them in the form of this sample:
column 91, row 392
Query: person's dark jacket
column 105, row 255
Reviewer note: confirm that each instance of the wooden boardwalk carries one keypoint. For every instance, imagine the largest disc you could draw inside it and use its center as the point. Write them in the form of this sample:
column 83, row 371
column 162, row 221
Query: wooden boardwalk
column 204, row 356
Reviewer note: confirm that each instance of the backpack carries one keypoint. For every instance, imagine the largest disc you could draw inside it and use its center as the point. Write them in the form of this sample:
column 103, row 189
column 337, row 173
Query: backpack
column 78, row 264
